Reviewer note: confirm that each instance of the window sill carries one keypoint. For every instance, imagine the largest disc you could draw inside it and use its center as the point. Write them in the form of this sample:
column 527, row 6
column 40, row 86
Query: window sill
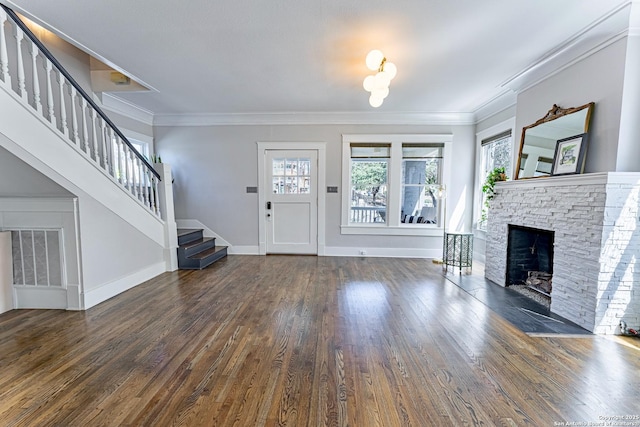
column 383, row 230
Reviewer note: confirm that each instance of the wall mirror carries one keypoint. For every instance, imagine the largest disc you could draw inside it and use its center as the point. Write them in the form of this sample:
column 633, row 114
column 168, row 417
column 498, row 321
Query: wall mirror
column 538, row 142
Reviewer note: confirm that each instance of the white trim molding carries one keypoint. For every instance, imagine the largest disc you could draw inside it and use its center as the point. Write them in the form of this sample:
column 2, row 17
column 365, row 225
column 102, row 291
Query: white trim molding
column 345, row 251
column 318, row 118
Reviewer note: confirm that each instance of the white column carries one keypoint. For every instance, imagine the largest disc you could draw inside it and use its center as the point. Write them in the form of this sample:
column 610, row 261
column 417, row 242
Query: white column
column 628, row 146
column 165, row 200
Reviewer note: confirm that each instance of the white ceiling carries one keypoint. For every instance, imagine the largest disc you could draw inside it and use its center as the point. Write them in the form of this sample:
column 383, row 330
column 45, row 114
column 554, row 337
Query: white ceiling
column 212, row 57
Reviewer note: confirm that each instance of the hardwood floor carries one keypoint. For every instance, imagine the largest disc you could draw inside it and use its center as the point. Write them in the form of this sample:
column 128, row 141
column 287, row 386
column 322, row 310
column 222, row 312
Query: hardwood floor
column 282, row 340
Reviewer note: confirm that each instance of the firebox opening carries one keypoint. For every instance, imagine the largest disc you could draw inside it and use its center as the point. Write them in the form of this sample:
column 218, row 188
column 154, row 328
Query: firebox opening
column 530, row 258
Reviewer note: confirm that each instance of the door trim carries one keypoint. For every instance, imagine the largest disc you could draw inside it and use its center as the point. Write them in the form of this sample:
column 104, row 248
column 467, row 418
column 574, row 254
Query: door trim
column 320, row 147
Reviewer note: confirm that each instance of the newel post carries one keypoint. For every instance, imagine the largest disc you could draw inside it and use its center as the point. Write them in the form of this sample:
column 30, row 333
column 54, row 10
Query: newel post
column 167, row 210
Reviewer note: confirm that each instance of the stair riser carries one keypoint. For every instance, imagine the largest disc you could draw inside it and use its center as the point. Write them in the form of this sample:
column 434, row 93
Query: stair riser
column 187, row 238
column 199, row 264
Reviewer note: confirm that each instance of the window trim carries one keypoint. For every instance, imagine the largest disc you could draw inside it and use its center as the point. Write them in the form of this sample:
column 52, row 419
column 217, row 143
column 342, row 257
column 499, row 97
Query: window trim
column 487, row 135
column 393, row 226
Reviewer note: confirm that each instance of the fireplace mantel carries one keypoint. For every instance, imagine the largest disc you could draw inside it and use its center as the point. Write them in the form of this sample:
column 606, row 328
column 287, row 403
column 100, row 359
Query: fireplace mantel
column 596, row 220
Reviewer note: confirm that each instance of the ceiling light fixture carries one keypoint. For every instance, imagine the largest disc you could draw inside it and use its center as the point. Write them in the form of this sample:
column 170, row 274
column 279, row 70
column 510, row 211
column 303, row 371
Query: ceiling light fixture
column 378, row 84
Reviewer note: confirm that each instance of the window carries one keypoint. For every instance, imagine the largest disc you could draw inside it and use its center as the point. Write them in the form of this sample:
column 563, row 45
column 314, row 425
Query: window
column 291, row 175
column 421, row 182
column 368, row 189
column 392, row 184
column 495, row 153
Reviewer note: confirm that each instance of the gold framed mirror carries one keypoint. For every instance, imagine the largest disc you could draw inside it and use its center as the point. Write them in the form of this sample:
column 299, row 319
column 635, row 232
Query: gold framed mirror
column 538, row 141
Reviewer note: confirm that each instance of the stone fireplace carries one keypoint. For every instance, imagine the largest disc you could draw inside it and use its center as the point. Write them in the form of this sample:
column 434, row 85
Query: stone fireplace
column 595, row 224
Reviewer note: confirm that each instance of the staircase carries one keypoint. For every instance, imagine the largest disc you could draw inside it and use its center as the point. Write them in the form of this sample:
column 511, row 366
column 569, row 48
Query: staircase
column 196, row 252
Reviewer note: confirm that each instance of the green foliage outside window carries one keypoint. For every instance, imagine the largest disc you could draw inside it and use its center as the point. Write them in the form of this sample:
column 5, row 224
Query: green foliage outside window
column 496, row 175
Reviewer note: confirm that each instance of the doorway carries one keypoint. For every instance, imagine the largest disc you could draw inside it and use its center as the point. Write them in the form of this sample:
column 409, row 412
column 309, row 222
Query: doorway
column 291, row 198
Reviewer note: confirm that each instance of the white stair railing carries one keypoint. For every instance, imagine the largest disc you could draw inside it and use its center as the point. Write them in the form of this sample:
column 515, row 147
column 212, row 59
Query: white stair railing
column 30, row 71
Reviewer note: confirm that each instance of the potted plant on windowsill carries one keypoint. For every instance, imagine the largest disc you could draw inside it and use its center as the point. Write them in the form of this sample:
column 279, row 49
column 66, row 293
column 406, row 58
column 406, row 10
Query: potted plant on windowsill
column 496, row 175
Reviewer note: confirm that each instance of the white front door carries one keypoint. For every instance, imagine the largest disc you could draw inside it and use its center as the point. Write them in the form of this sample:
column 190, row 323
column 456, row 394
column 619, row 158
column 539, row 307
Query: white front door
column 291, row 201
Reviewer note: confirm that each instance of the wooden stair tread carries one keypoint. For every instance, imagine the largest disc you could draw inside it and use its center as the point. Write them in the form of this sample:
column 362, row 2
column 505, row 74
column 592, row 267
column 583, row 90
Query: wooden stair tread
column 185, row 231
column 208, row 252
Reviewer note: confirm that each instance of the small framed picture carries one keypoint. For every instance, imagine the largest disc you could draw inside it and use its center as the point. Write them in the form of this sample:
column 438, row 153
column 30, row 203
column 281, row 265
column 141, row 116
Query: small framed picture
column 570, row 155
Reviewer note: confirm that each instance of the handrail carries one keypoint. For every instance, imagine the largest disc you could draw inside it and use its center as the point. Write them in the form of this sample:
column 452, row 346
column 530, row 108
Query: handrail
column 75, row 84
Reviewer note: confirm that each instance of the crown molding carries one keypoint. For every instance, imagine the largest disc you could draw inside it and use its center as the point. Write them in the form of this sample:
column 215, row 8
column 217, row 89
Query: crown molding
column 504, row 100
column 120, row 106
column 324, row 118
column 599, row 34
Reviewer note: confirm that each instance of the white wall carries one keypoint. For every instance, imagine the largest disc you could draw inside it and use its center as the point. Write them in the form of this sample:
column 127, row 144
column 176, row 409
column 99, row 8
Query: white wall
column 213, row 165
column 115, row 255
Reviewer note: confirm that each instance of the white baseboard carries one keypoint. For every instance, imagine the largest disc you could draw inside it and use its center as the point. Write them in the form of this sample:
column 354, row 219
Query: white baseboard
column 40, row 297
column 96, row 296
column 243, row 250
column 354, row 252
column 207, row 232
column 383, row 252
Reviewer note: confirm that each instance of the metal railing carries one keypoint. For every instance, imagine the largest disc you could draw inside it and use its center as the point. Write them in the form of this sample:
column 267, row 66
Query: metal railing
column 29, row 70
column 367, row 214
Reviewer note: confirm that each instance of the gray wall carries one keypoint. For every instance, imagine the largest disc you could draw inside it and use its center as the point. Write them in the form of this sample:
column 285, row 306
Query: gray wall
column 213, row 165
column 598, row 78
column 18, row 179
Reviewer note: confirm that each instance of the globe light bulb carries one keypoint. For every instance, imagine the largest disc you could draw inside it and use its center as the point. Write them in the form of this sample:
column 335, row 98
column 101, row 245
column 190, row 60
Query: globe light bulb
column 380, row 93
column 382, row 80
column 391, row 69
column 369, row 83
column 374, row 58
column 375, row 101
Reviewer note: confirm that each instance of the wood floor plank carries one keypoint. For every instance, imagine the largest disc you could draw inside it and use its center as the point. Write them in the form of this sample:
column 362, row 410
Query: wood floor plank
column 304, row 341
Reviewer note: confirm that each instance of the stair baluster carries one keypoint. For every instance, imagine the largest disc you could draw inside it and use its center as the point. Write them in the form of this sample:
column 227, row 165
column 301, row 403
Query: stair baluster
column 104, row 146
column 94, row 139
column 118, row 160
column 154, row 194
column 22, row 89
column 63, row 109
column 145, row 184
column 74, row 116
column 36, row 83
column 4, row 57
column 85, row 127
column 50, row 102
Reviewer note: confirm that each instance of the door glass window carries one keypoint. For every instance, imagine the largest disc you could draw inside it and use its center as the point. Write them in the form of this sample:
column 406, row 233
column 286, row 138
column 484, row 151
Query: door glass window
column 291, row 175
